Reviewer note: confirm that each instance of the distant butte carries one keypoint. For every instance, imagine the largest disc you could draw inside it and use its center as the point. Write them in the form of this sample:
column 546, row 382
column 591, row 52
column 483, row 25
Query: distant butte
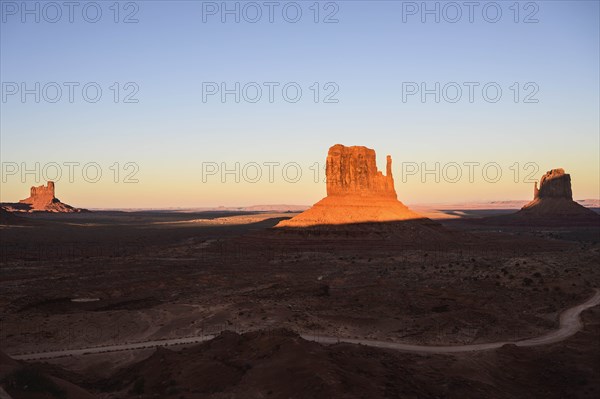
column 42, row 198
column 356, row 192
column 554, row 198
column 554, row 184
column 552, row 205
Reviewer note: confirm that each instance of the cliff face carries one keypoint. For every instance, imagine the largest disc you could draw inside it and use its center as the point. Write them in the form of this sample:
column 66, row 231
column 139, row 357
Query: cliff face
column 356, row 192
column 353, row 171
column 554, row 184
column 42, row 199
column 554, row 199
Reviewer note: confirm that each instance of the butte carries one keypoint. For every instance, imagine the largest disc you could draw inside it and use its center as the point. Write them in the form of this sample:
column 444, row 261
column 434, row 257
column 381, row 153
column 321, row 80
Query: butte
column 42, row 199
column 356, row 192
column 552, row 205
column 554, row 199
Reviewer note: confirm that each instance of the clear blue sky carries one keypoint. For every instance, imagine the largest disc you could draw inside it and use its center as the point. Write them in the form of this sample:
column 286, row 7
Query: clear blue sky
column 368, row 54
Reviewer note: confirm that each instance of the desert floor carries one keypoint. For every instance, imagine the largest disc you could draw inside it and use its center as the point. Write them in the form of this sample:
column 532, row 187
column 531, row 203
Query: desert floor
column 71, row 281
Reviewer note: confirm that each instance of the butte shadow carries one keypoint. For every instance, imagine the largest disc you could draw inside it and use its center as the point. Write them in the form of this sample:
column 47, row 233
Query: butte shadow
column 9, row 218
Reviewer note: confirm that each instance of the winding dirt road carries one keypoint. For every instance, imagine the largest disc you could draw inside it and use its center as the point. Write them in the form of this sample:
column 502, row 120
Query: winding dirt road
column 570, row 323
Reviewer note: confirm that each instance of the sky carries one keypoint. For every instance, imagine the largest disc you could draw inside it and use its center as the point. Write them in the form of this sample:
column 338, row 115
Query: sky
column 156, row 103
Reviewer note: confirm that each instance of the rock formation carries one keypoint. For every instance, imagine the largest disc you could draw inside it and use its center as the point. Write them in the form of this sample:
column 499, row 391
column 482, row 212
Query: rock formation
column 353, row 171
column 42, row 199
column 356, row 192
column 554, row 199
column 554, row 184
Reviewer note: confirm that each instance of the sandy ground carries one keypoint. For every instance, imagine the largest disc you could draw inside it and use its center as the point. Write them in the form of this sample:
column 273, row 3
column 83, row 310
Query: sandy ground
column 167, row 275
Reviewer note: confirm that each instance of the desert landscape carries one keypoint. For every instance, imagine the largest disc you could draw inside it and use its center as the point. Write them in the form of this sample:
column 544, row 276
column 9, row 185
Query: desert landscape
column 299, row 199
column 358, row 296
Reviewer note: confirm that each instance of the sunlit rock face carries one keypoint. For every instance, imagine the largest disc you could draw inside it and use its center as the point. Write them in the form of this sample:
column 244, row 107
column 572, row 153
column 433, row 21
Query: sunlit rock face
column 356, row 192
column 42, row 199
column 353, row 171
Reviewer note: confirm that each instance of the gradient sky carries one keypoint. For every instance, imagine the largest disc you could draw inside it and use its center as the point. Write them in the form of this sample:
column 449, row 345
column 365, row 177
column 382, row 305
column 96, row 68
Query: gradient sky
column 369, row 53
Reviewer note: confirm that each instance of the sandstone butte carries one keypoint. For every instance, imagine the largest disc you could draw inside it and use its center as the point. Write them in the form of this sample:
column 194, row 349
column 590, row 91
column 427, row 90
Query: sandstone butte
column 42, row 199
column 356, row 192
column 554, row 198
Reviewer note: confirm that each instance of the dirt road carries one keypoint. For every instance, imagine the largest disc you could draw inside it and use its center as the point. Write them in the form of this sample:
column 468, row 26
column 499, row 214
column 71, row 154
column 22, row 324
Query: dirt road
column 570, row 323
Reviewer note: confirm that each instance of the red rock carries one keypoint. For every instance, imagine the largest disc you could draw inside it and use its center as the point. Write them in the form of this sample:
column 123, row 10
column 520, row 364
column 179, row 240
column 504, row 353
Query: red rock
column 41, row 196
column 554, row 199
column 42, row 199
column 554, row 184
column 356, row 192
column 353, row 171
